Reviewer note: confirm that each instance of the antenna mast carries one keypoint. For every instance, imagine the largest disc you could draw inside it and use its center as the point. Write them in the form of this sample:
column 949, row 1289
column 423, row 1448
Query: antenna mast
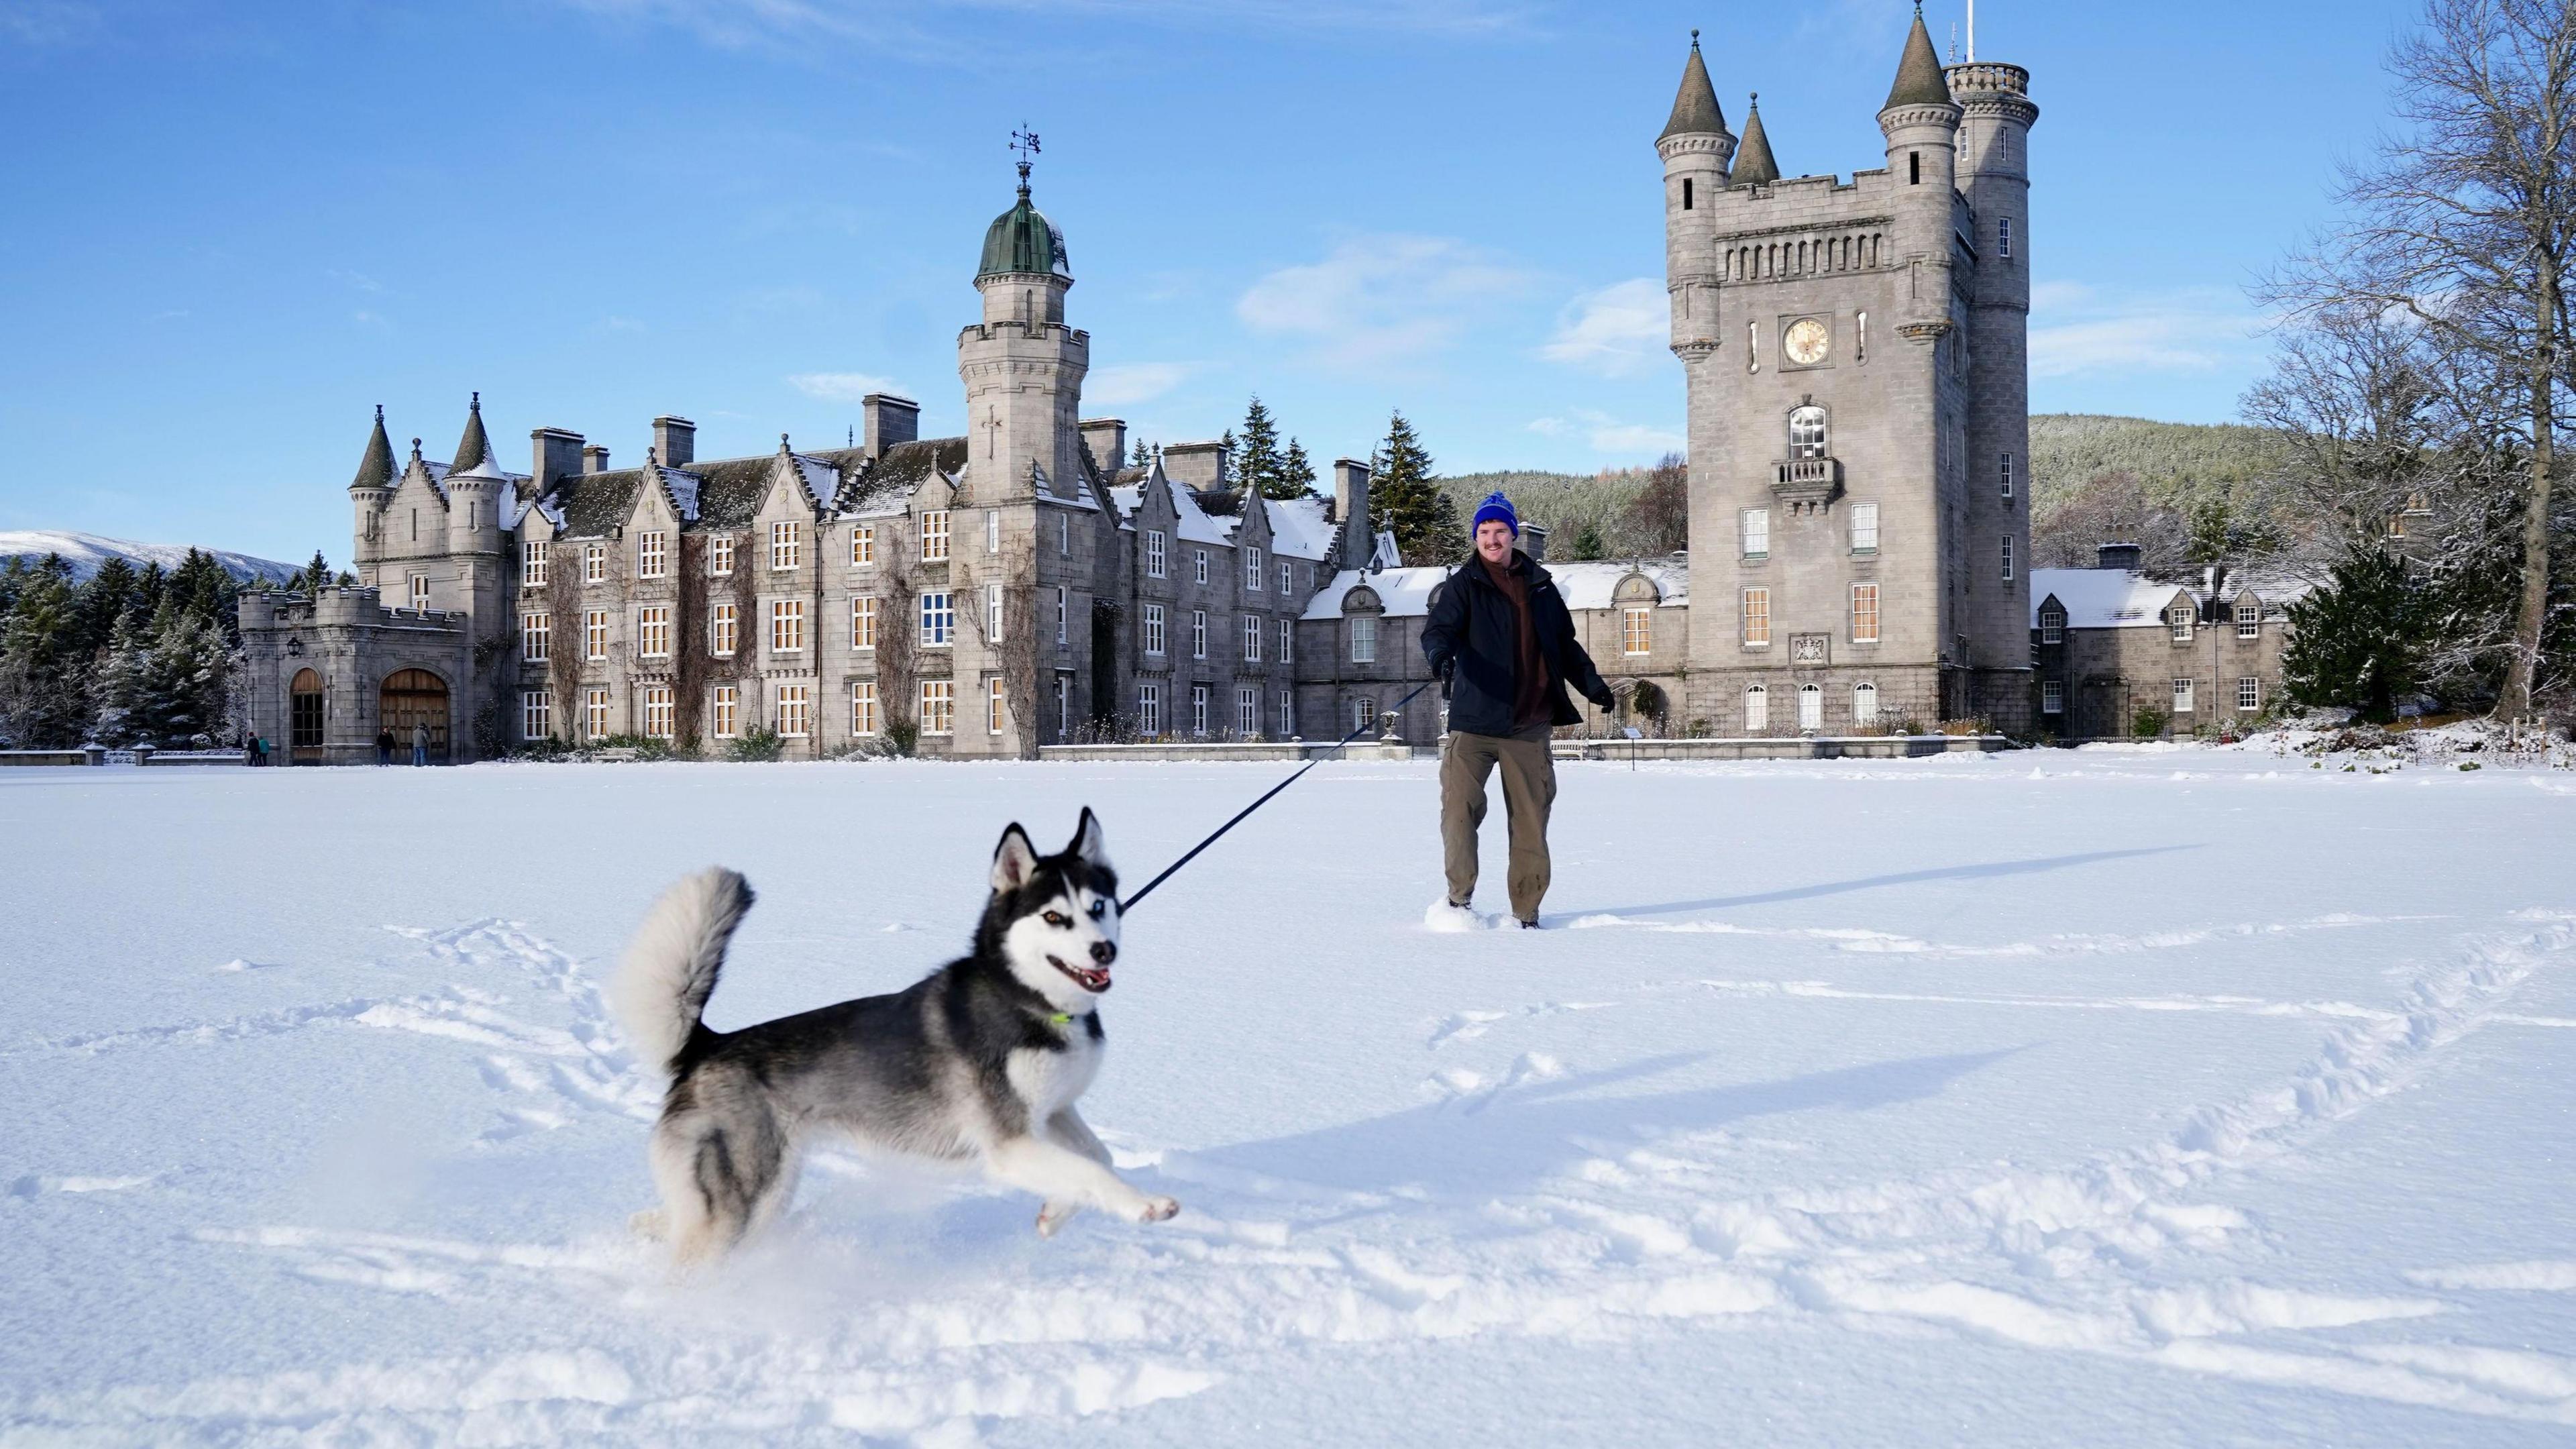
column 1972, row 32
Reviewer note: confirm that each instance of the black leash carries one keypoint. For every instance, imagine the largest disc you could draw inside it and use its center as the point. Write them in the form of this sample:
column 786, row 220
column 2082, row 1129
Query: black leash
column 1129, row 904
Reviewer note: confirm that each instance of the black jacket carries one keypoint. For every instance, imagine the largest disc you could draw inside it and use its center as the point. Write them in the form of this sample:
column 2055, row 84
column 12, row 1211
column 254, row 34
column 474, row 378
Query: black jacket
column 1473, row 629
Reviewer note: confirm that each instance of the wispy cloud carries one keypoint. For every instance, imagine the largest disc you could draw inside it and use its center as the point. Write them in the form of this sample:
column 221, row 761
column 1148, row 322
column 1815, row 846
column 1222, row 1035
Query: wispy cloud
column 359, row 281
column 1616, row 331
column 1610, row 436
column 1134, row 382
column 841, row 386
column 1380, row 301
column 2077, row 329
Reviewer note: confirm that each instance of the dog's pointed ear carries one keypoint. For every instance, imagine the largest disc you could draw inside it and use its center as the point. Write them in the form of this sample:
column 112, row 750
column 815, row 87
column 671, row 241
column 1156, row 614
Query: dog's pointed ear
column 1014, row 860
column 1088, row 842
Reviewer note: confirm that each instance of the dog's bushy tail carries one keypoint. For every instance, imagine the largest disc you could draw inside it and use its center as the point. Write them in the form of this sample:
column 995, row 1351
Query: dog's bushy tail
column 669, row 969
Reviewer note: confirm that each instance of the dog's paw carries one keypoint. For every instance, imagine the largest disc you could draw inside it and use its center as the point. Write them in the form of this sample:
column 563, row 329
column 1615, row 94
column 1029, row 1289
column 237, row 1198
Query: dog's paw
column 647, row 1224
column 1158, row 1209
column 1052, row 1217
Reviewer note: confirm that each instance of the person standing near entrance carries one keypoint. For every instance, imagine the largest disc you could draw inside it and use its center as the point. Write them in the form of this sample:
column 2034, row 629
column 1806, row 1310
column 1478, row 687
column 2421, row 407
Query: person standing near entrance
column 1502, row 642
column 420, row 744
column 385, row 745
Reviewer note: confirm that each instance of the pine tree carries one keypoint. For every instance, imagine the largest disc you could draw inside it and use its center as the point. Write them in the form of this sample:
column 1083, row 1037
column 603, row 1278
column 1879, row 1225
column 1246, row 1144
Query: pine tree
column 44, row 694
column 166, row 682
column 1403, row 498
column 1587, row 543
column 1296, row 473
column 1257, row 464
column 2358, row 642
column 200, row 586
column 313, row 577
column 1142, row 457
column 100, row 603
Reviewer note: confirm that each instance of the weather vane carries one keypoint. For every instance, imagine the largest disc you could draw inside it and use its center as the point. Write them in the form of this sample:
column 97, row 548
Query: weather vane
column 1025, row 141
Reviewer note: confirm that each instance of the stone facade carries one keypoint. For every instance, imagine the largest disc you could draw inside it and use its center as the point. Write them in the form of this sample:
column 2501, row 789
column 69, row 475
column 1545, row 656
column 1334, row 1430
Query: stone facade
column 2109, row 644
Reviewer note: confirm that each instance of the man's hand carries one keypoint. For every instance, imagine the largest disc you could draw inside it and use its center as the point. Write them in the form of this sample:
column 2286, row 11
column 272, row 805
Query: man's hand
column 1603, row 698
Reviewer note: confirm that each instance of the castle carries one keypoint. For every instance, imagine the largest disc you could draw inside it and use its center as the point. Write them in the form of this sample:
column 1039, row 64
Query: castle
column 1857, row 383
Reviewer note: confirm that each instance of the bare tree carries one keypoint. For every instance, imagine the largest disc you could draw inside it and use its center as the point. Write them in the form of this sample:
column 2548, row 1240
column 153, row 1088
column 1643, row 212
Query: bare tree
column 2466, row 224
column 1660, row 517
column 2110, row 508
column 2356, row 404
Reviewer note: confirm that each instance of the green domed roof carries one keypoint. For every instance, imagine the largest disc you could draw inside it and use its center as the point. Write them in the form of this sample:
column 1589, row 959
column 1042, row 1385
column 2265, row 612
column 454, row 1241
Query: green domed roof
column 1023, row 240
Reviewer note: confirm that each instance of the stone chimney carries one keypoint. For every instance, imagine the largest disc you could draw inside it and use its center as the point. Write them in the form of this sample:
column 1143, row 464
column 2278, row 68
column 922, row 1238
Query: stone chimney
column 886, row 420
column 558, row 453
column 675, row 441
column 594, row 459
column 2116, row 556
column 1107, row 440
column 1534, row 541
column 1204, row 466
column 1351, row 510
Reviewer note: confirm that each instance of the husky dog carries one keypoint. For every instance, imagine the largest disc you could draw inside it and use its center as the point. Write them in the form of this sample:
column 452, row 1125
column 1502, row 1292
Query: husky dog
column 981, row 1061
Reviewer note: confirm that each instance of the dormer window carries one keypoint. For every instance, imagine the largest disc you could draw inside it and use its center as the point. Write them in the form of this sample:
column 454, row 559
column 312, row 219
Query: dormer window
column 2052, row 626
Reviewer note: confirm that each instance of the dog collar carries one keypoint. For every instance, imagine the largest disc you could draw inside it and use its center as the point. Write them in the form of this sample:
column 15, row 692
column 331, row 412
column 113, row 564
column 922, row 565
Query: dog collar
column 1061, row 1018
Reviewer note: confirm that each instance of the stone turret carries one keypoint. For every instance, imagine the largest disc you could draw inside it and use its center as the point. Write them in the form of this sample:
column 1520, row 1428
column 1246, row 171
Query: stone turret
column 369, row 491
column 476, row 482
column 1755, row 165
column 1921, row 123
column 1022, row 366
column 1994, row 175
column 1697, row 150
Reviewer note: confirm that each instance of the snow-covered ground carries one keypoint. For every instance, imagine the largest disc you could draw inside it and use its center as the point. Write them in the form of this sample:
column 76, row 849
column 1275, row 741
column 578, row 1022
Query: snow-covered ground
column 2114, row 1097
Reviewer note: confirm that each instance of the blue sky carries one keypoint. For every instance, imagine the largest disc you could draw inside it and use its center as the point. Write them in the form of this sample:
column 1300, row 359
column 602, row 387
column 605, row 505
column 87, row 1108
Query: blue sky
column 236, row 228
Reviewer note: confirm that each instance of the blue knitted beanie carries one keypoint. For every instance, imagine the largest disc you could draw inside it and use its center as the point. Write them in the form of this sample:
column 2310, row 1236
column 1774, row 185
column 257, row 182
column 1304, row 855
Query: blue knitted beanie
column 1496, row 508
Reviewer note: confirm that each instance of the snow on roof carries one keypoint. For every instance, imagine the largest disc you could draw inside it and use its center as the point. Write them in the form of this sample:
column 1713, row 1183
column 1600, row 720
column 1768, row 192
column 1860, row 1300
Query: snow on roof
column 822, row 481
column 1195, row 525
column 2102, row 598
column 1298, row 528
column 1127, row 499
column 1406, row 592
column 683, row 487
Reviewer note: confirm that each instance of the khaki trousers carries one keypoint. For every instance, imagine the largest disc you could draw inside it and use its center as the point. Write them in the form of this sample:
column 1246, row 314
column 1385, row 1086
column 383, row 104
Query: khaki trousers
column 1529, row 788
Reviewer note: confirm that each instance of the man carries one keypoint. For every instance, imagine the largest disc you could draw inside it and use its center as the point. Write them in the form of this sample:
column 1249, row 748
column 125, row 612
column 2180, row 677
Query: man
column 419, row 743
column 1502, row 641
column 385, row 745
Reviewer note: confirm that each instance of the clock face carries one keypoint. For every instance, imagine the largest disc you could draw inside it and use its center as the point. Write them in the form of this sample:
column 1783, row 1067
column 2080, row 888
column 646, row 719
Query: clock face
column 1807, row 341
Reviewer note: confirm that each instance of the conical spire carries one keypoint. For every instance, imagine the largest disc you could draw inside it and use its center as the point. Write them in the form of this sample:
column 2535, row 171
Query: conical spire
column 1754, row 165
column 1918, row 77
column 472, row 448
column 1695, row 109
column 376, row 469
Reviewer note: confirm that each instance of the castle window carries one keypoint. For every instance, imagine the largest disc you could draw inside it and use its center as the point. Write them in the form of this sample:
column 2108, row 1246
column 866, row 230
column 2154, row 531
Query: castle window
column 1154, row 553
column 1252, row 632
column 1637, row 629
column 2003, row 236
column 1064, row 533
column 653, row 631
column 594, row 563
column 2249, row 621
column 534, row 632
column 1752, row 347
column 651, row 554
column 720, row 556
column 934, row 535
column 1198, row 633
column 1757, row 709
column 1860, row 338
column 1686, row 193
column 939, row 706
column 1149, row 710
column 1363, row 712
column 536, row 714
column 1252, row 568
column 2052, row 696
column 2182, row 696
column 532, row 564
column 1199, row 564
column 415, row 525
column 1757, row 533
column 657, row 712
column 1864, row 705
column 2249, row 693
column 1864, row 613
column 786, row 546
column 1364, row 644
column 420, row 592
column 725, row 719
column 2007, row 477
column 2008, row 558
column 1913, row 168
column 993, row 613
column 863, row 545
column 1757, row 618
column 863, row 623
column 1063, row 706
column 1283, row 578
column 863, row 707
column 993, row 705
column 2178, row 618
column 1247, row 711
column 724, row 630
column 1063, row 605
column 2052, row 626
column 1287, row 634
column 1198, row 709
column 1287, row 714
column 1811, row 707
column 1807, row 432
column 1864, row 528
column 1153, row 628
column 594, row 634
column 594, row 714
column 992, row 530
column 787, row 626
column 938, row 619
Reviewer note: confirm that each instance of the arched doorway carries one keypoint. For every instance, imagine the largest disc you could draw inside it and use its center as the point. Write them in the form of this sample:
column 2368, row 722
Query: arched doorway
column 304, row 719
column 415, row 697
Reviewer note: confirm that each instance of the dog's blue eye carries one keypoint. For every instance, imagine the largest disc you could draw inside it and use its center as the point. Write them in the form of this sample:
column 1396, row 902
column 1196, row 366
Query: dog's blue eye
column 1097, row 907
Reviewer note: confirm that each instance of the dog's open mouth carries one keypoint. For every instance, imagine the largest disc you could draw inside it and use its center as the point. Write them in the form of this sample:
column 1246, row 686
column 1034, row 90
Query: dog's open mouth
column 1094, row 979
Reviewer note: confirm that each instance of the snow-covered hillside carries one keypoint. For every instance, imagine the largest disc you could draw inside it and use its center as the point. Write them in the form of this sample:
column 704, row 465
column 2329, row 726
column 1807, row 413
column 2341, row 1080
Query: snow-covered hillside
column 86, row 551
column 2110, row 1098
